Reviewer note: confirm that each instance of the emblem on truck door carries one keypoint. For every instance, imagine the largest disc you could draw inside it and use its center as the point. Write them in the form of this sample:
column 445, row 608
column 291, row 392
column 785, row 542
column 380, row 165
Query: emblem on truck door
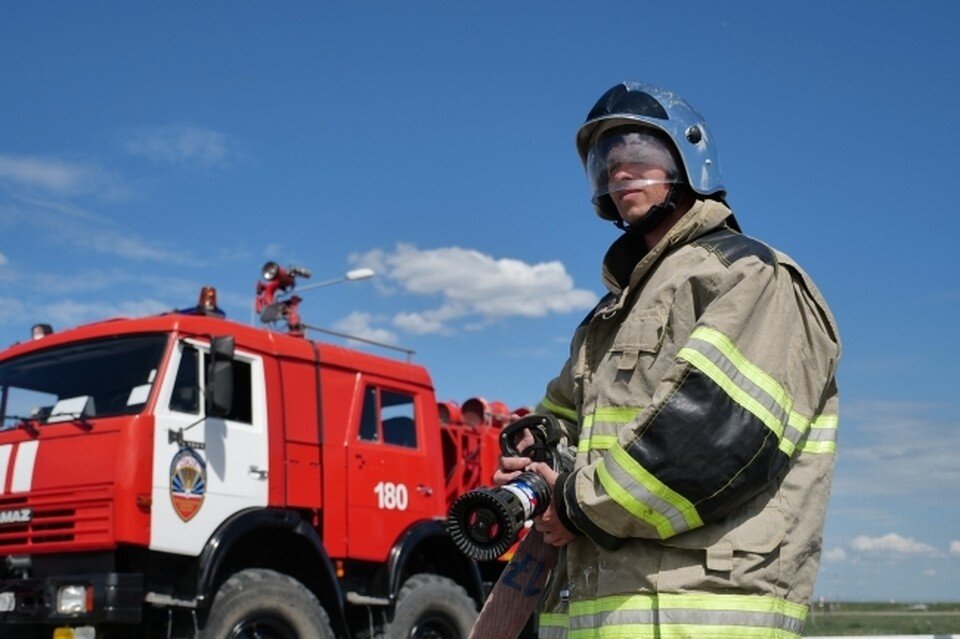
column 188, row 483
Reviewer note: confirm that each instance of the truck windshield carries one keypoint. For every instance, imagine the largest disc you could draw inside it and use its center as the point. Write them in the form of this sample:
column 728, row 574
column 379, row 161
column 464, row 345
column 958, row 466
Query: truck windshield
column 97, row 378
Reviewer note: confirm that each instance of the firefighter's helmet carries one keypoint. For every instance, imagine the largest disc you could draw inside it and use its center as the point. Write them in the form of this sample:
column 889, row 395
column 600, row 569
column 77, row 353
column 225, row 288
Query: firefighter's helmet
column 653, row 117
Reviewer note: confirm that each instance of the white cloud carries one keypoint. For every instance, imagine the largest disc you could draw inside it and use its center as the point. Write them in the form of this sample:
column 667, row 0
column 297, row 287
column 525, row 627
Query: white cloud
column 11, row 309
column 83, row 283
column 276, row 250
column 58, row 176
column 360, row 325
column 71, row 313
column 7, row 274
column 178, row 144
column 421, row 323
column 917, row 439
column 892, row 543
column 955, row 547
column 97, row 291
column 120, row 244
column 67, row 225
column 50, row 174
column 472, row 285
column 835, row 555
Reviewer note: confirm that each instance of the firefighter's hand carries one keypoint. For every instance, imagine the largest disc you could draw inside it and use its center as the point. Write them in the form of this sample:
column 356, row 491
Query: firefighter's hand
column 553, row 531
column 549, row 524
column 510, row 467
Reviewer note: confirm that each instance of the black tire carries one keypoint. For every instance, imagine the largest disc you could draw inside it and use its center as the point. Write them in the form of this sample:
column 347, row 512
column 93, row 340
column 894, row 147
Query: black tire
column 432, row 607
column 263, row 604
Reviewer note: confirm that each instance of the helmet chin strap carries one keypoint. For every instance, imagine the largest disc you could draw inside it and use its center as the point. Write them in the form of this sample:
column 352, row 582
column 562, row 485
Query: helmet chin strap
column 654, row 216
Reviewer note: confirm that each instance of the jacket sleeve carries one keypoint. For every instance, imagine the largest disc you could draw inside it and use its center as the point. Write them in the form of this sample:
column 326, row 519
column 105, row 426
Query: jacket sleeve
column 559, row 402
column 754, row 373
column 560, row 398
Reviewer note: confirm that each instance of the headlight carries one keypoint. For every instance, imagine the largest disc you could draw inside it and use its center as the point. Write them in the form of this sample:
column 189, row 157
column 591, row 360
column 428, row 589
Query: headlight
column 74, row 599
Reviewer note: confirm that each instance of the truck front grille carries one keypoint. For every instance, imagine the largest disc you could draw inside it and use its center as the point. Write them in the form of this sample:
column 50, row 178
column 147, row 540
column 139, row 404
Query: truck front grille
column 49, row 521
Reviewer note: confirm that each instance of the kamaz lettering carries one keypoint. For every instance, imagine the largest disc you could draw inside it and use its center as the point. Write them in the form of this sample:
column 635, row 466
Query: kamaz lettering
column 17, row 516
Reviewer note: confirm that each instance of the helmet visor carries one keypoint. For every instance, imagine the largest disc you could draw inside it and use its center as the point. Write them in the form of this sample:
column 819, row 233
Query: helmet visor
column 620, row 159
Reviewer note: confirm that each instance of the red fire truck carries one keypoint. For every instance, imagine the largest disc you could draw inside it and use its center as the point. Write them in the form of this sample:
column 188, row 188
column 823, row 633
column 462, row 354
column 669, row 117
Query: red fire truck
column 185, row 475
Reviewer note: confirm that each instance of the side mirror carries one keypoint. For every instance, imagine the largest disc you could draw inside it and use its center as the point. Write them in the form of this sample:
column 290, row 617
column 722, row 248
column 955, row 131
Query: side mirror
column 219, row 389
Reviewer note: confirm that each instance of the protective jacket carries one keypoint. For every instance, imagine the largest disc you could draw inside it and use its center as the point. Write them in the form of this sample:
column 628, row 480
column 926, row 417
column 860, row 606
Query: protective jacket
column 701, row 397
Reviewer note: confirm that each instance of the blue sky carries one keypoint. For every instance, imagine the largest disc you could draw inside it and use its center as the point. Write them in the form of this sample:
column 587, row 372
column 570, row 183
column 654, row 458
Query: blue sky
column 149, row 149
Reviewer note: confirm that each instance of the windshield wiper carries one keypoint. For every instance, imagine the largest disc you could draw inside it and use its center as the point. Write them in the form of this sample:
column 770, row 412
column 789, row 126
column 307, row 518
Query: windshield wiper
column 28, row 424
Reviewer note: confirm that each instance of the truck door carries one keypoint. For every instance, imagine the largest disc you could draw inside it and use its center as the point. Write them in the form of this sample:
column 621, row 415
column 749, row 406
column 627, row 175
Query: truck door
column 206, row 468
column 391, row 481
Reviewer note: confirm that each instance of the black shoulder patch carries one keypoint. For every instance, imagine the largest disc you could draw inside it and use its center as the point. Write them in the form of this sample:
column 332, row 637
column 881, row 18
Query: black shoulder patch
column 731, row 246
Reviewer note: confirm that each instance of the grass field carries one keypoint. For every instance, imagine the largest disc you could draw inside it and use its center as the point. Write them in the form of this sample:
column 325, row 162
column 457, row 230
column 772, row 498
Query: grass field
column 854, row 619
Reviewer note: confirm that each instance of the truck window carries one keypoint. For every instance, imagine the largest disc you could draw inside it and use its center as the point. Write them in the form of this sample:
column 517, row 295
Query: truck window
column 396, row 411
column 242, row 408
column 186, row 387
column 370, row 419
column 111, row 376
column 388, row 416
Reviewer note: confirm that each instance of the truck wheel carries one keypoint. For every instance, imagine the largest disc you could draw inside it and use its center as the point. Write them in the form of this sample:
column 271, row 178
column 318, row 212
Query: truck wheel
column 263, row 604
column 432, row 607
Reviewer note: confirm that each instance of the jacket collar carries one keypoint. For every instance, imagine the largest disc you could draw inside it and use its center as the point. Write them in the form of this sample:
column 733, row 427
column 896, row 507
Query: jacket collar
column 628, row 261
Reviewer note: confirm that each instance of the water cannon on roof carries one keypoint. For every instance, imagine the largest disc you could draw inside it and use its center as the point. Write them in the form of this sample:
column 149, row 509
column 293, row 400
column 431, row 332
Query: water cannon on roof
column 276, row 301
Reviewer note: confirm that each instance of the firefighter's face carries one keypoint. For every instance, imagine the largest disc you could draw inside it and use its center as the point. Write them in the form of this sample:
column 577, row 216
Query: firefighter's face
column 634, row 166
column 634, row 202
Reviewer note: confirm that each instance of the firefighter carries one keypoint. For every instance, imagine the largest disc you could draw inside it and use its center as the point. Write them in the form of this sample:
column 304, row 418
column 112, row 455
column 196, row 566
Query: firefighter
column 701, row 396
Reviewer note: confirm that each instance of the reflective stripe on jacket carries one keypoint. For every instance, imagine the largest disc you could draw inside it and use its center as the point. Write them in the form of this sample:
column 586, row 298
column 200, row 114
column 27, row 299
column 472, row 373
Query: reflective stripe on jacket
column 669, row 616
column 701, row 395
